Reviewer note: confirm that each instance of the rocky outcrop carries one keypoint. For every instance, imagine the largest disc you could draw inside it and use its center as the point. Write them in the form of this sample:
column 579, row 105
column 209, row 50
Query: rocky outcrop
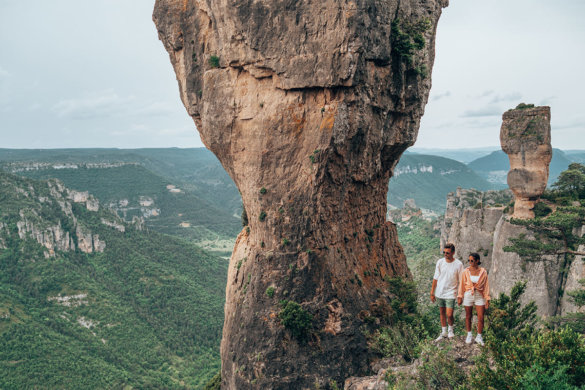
column 308, row 106
column 525, row 137
column 470, row 220
column 543, row 277
column 464, row 356
column 575, row 274
column 475, row 224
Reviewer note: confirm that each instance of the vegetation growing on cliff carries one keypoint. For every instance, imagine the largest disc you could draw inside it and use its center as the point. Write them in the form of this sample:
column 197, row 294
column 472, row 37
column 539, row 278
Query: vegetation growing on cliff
column 150, row 315
column 556, row 226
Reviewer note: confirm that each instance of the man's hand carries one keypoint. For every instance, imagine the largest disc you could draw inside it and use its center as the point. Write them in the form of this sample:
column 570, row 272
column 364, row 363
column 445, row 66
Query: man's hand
column 459, row 301
column 433, row 299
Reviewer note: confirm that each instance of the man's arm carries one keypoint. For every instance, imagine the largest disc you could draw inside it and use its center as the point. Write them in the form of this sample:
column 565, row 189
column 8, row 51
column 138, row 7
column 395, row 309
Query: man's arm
column 433, row 287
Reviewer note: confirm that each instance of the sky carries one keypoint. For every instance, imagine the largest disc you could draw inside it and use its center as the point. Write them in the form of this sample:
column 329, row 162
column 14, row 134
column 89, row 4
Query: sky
column 81, row 73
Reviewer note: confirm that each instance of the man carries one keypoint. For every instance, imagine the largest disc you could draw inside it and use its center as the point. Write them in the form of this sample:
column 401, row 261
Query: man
column 444, row 290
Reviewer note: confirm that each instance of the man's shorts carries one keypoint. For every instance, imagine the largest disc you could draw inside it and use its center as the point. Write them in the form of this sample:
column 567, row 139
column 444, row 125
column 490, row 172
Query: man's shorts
column 475, row 299
column 450, row 303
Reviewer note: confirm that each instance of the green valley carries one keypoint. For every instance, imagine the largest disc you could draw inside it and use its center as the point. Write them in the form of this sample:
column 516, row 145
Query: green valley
column 89, row 301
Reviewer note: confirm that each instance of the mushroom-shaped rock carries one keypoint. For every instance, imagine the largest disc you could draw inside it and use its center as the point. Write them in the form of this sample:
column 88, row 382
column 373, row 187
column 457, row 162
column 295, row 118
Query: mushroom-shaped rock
column 525, row 138
column 308, row 105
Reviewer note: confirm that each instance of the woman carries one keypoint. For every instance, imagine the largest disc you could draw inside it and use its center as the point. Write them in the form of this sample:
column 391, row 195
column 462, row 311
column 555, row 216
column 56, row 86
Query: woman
column 474, row 290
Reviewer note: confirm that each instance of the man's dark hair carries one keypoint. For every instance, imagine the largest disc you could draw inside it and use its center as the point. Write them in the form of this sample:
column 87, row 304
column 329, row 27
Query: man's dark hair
column 476, row 257
column 450, row 246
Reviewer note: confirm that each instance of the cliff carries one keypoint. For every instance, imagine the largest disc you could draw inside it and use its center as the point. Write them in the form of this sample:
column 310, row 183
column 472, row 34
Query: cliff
column 308, row 106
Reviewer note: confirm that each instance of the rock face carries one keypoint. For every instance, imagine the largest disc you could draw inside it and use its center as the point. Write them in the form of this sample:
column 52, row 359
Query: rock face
column 525, row 137
column 470, row 220
column 308, row 105
column 487, row 230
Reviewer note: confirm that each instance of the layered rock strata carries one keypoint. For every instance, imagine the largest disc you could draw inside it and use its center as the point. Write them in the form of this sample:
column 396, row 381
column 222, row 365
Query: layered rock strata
column 308, row 105
column 525, row 137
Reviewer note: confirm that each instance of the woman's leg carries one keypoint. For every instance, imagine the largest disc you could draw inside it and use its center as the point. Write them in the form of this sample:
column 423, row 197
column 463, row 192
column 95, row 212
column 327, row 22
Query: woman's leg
column 468, row 317
column 480, row 311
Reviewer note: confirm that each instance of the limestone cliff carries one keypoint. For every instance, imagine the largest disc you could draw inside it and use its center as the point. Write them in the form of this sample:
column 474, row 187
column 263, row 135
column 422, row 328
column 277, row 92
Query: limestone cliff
column 308, row 105
column 486, row 228
column 525, row 137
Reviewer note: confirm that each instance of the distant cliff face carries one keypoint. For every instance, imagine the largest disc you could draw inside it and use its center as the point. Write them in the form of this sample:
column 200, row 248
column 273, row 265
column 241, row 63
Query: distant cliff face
column 308, row 106
column 525, row 137
column 477, row 222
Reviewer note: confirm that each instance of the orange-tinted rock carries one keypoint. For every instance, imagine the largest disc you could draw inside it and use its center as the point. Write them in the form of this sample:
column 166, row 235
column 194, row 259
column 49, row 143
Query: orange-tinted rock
column 313, row 101
column 525, row 137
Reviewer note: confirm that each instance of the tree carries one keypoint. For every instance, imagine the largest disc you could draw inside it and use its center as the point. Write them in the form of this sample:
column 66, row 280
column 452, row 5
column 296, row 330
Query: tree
column 572, row 181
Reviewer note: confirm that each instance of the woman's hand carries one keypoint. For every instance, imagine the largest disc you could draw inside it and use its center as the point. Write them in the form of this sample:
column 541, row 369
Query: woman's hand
column 487, row 304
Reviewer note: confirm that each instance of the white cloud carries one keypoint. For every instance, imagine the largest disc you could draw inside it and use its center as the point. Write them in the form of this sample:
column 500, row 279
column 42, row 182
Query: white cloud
column 490, row 110
column 441, row 95
column 104, row 104
column 4, row 72
column 514, row 96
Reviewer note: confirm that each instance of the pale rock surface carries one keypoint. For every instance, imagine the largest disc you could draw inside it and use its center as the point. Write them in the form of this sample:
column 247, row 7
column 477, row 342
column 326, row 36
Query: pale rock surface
column 313, row 101
column 543, row 277
column 487, row 230
column 575, row 274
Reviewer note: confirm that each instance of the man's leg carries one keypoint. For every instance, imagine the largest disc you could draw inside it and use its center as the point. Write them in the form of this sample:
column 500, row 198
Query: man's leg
column 442, row 313
column 449, row 312
column 450, row 307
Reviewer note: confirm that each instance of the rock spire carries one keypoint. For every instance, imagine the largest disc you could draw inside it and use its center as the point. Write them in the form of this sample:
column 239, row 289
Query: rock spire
column 308, row 105
column 525, row 137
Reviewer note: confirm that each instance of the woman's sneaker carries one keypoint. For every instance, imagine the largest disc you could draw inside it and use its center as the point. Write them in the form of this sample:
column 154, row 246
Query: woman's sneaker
column 479, row 340
column 441, row 337
column 450, row 334
column 469, row 339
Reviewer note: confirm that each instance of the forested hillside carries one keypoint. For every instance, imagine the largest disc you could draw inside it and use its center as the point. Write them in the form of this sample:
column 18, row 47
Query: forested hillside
column 428, row 180
column 495, row 166
column 197, row 205
column 87, row 301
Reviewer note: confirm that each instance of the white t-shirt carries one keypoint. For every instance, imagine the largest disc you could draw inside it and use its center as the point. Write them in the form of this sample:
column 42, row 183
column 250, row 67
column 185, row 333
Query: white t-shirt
column 447, row 276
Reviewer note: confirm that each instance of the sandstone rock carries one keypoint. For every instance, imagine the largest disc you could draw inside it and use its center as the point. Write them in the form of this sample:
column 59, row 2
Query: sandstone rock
column 575, row 274
column 462, row 354
column 487, row 230
column 543, row 277
column 92, row 204
column 78, row 197
column 116, row 225
column 525, row 137
column 471, row 228
column 314, row 101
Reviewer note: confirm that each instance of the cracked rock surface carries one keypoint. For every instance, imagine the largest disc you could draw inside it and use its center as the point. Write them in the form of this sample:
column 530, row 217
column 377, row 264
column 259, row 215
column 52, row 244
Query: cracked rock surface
column 525, row 137
column 308, row 104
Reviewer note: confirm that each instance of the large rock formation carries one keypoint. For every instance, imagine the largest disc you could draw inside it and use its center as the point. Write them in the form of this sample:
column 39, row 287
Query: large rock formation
column 308, row 105
column 476, row 222
column 525, row 137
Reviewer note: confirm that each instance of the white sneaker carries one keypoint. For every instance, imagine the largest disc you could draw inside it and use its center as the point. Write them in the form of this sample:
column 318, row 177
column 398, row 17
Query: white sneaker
column 441, row 337
column 469, row 339
column 451, row 334
column 479, row 340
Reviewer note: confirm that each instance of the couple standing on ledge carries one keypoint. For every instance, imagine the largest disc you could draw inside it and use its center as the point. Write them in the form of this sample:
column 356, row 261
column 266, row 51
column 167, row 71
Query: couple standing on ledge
column 469, row 286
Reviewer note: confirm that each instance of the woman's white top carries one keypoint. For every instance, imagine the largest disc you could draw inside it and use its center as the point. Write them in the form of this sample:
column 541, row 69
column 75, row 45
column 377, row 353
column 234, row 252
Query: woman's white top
column 474, row 279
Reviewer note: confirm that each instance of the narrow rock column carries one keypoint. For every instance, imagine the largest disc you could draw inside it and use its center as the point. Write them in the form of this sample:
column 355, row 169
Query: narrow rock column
column 525, row 137
column 308, row 105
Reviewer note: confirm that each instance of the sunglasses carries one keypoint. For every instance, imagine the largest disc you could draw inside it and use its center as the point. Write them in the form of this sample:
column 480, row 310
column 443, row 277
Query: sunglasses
column 447, row 252
column 471, row 261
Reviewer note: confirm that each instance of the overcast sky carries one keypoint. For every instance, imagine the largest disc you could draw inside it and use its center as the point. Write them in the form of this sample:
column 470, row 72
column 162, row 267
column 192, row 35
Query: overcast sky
column 81, row 73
